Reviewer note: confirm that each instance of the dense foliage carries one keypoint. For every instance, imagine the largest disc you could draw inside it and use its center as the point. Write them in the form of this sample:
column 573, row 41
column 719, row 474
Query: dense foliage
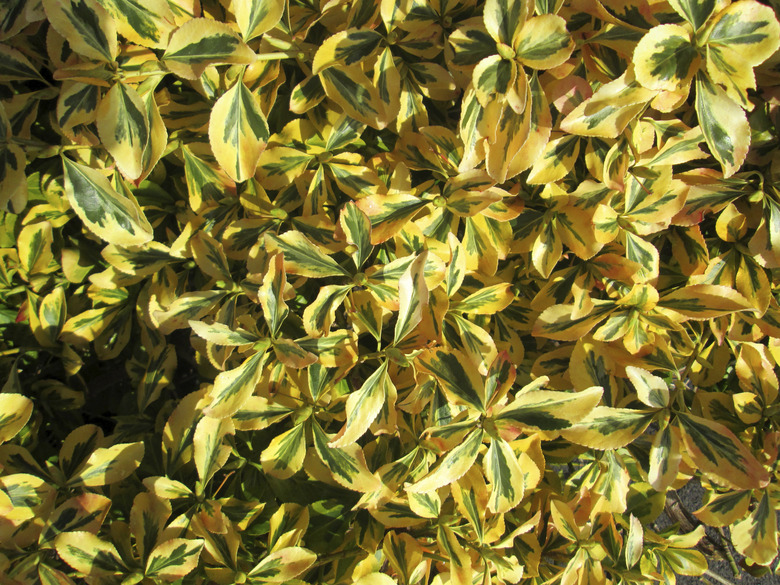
column 398, row 292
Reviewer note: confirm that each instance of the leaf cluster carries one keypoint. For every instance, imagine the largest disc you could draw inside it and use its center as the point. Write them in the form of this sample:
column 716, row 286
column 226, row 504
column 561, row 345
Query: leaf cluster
column 386, row 292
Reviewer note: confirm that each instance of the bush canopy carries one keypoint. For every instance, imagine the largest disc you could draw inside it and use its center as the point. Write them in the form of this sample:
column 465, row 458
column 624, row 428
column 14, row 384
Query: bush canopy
column 398, row 292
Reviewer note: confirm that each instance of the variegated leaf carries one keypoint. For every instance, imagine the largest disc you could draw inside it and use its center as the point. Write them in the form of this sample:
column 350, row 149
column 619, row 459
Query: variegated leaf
column 413, row 298
column 741, row 36
column 232, row 388
column 282, row 565
column 545, row 410
column 505, row 475
column 256, row 17
column 271, row 294
column 351, row 89
column 201, row 42
column 364, row 405
column 665, row 58
column 284, row 455
column 89, row 555
column 238, row 132
column 173, row 559
column 544, row 42
column 15, row 411
column 124, row 128
column 724, row 124
column 755, row 536
column 107, row 465
column 320, row 314
column 457, row 376
column 209, row 451
column 452, row 466
column 609, row 428
column 609, row 110
column 86, row 25
column 719, row 454
column 347, row 464
column 115, row 218
column 148, row 23
column 302, row 257
column 705, row 301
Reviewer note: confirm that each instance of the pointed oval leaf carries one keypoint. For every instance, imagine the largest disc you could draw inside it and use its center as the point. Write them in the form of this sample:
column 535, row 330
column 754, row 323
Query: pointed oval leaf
column 255, row 17
column 201, row 42
column 546, row 410
column 351, row 89
column 302, row 257
column 724, row 124
column 452, row 466
column 544, row 42
column 232, row 388
column 347, row 464
column 110, row 216
column 109, row 465
column 413, row 298
column 364, row 405
column 124, row 128
column 173, row 559
column 148, row 23
column 283, row 565
column 238, row 132
column 15, row 411
column 89, row 555
column 209, row 452
column 609, row 428
column 284, row 455
column 503, row 472
column 665, row 58
column 457, row 376
column 720, row 455
column 86, row 25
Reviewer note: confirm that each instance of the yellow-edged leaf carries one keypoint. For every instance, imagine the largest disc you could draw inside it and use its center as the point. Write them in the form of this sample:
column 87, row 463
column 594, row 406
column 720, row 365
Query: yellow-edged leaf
column 724, row 124
column 108, row 465
column 665, row 58
column 364, row 405
column 113, row 217
column 505, row 476
column 609, row 428
column 89, row 555
column 302, row 257
column 720, row 455
column 284, row 455
column 255, row 17
column 282, row 565
column 86, row 25
column 173, row 559
column 232, row 388
column 209, row 451
column 609, row 110
column 452, row 466
column 238, row 132
column 148, row 23
column 15, row 411
column 705, row 301
column 201, row 42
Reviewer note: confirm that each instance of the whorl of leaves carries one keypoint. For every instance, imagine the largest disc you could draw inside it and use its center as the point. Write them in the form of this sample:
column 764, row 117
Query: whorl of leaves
column 411, row 291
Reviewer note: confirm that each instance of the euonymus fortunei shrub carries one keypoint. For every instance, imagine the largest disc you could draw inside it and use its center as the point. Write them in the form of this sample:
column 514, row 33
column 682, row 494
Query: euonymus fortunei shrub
column 386, row 292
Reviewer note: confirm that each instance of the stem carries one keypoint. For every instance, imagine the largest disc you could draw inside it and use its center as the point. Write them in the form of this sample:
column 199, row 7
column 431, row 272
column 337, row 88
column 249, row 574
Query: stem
column 717, row 578
column 729, row 557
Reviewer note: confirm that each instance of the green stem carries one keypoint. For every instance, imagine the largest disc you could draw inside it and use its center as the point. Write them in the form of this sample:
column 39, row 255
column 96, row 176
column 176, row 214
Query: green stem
column 729, row 557
column 717, row 578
